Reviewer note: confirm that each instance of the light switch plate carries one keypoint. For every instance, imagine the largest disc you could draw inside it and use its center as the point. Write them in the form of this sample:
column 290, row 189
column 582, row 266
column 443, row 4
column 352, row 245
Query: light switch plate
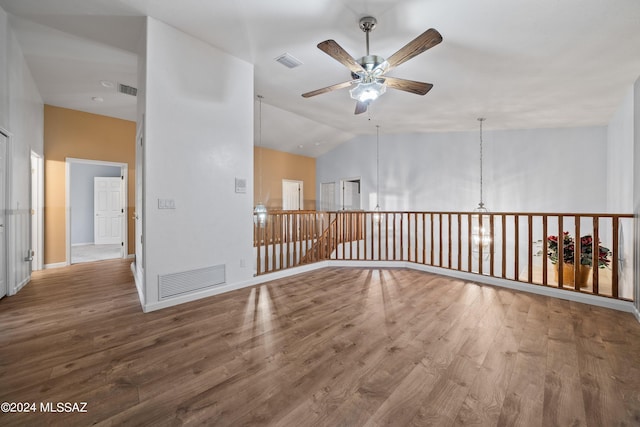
column 166, row 204
column 241, row 185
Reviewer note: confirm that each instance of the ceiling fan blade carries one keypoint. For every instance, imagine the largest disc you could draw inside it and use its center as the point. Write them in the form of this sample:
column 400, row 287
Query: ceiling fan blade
column 334, row 50
column 329, row 88
column 419, row 88
column 424, row 41
column 361, row 107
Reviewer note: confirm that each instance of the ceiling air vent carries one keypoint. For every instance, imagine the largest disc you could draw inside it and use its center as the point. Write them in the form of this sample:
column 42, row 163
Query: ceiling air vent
column 288, row 60
column 127, row 90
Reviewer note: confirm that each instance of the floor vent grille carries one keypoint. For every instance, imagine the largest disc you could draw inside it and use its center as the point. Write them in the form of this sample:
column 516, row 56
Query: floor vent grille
column 175, row 284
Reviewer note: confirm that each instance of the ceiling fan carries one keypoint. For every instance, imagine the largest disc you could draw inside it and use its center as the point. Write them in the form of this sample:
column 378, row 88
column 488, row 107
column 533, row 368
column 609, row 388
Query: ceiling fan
column 369, row 79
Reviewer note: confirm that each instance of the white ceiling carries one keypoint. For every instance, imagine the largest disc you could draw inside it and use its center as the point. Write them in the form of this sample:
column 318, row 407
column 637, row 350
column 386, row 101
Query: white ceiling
column 521, row 64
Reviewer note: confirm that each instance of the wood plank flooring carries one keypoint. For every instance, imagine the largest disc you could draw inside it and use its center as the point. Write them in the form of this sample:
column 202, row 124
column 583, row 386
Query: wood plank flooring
column 334, row 347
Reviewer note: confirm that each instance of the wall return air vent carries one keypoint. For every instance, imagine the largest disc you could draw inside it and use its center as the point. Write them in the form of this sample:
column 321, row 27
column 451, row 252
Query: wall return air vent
column 127, row 90
column 176, row 284
column 288, row 60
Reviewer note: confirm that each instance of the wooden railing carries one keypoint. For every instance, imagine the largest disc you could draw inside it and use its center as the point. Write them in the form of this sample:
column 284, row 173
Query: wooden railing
column 506, row 245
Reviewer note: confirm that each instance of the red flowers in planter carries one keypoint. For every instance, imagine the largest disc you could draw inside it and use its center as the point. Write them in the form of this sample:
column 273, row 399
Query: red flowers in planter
column 586, row 250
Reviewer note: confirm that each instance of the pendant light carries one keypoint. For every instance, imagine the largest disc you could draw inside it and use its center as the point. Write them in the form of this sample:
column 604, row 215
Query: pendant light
column 481, row 234
column 377, row 217
column 260, row 209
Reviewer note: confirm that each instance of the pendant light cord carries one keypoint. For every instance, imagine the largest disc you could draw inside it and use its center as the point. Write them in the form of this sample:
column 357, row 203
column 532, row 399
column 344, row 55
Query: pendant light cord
column 481, row 201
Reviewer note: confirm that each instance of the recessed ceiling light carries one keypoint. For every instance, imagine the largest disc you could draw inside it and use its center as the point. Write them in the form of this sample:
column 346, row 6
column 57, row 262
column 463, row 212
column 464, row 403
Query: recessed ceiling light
column 107, row 83
column 97, row 99
column 317, row 143
column 300, row 146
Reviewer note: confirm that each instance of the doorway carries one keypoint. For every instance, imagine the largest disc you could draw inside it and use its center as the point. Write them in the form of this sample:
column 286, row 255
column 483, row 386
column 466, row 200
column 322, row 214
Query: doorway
column 350, row 194
column 96, row 205
column 292, row 195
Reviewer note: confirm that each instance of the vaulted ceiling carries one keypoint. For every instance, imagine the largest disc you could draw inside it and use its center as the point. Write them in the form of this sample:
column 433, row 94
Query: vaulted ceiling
column 521, row 64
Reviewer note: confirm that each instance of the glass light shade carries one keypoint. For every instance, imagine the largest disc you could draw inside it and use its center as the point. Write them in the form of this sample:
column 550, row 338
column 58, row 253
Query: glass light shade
column 480, row 233
column 377, row 216
column 367, row 92
column 260, row 212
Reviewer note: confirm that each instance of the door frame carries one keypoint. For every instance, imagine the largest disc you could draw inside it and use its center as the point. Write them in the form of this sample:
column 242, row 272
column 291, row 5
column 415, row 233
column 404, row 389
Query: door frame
column 7, row 205
column 124, row 169
column 342, row 181
column 37, row 211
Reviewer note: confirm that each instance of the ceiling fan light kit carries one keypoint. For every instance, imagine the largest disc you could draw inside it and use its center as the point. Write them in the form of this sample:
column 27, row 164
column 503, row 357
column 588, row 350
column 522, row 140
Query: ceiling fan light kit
column 367, row 92
column 369, row 80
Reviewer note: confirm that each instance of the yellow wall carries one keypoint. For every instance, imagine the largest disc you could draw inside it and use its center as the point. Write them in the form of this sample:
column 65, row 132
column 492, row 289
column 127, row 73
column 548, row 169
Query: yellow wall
column 276, row 166
column 70, row 133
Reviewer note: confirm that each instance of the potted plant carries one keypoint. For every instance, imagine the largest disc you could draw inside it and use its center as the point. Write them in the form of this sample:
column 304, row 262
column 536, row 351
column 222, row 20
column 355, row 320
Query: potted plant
column 568, row 257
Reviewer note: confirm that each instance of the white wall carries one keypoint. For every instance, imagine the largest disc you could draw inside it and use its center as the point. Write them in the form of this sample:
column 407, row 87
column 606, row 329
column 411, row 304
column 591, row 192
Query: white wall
column 22, row 115
column 199, row 138
column 620, row 175
column 81, row 189
column 539, row 170
column 620, row 157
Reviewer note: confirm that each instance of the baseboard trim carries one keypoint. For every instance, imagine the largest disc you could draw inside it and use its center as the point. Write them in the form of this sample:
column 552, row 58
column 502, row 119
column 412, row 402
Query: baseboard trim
column 614, row 304
column 605, row 302
column 21, row 285
column 232, row 286
column 595, row 300
column 55, row 265
column 139, row 285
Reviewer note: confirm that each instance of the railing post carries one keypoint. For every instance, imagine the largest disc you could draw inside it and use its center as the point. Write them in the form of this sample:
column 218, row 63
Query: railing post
column 596, row 251
column 614, row 255
column 545, row 250
column 577, row 254
column 560, row 262
column 491, row 244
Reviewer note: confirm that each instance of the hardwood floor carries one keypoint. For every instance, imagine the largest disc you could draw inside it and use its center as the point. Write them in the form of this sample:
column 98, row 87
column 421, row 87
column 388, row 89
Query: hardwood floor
column 334, row 347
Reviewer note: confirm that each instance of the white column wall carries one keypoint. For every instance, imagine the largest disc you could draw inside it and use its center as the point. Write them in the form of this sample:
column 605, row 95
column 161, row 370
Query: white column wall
column 636, row 192
column 620, row 157
column 22, row 115
column 199, row 138
column 538, row 170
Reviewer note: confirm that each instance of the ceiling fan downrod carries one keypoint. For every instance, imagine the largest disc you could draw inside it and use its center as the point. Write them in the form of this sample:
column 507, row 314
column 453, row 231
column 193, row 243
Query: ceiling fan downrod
column 368, row 24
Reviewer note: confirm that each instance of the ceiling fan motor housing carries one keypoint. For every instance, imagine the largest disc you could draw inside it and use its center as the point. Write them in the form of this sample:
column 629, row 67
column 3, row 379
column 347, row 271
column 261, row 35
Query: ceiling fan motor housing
column 374, row 66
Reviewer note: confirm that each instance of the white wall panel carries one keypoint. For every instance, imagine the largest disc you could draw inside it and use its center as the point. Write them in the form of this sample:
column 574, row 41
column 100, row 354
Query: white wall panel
column 199, row 138
column 22, row 115
column 541, row 170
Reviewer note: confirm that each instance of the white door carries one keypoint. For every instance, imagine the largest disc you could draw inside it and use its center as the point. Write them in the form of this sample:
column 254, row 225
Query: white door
column 351, row 194
column 108, row 210
column 3, row 169
column 292, row 195
column 328, row 196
